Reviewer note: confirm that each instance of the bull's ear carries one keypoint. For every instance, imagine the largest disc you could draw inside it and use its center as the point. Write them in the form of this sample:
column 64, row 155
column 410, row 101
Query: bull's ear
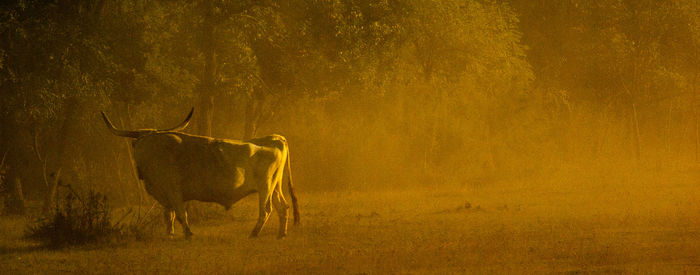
column 182, row 125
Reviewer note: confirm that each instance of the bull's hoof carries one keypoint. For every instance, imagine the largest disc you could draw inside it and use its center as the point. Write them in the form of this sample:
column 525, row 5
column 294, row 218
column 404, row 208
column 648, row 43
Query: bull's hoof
column 253, row 235
column 281, row 236
column 188, row 235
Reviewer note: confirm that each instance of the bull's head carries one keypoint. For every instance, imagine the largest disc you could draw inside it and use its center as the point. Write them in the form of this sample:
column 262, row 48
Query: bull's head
column 141, row 132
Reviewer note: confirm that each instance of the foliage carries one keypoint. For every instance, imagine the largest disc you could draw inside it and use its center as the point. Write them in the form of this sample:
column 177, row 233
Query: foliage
column 76, row 222
column 612, row 57
column 90, row 220
column 442, row 91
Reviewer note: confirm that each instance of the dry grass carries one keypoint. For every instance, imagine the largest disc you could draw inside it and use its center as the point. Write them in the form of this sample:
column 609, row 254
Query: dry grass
column 564, row 224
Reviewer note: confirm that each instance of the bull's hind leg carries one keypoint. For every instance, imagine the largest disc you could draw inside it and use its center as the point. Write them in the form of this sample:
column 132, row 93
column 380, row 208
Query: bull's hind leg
column 265, row 210
column 169, row 215
column 181, row 215
column 281, row 207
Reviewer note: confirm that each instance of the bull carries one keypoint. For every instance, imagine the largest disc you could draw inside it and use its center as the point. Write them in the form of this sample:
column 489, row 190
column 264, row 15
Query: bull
column 177, row 167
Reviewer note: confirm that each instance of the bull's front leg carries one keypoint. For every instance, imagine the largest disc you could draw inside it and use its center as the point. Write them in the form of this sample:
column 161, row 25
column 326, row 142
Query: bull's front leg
column 265, row 206
column 181, row 215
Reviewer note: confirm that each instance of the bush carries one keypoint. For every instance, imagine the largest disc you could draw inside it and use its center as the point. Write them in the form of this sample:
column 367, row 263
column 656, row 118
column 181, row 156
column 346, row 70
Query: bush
column 77, row 222
column 142, row 226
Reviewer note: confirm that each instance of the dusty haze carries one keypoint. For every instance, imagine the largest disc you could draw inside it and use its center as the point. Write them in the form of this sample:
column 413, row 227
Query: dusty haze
column 425, row 136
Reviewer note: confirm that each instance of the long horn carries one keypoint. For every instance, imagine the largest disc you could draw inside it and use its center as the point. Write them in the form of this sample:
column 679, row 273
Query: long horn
column 182, row 125
column 117, row 132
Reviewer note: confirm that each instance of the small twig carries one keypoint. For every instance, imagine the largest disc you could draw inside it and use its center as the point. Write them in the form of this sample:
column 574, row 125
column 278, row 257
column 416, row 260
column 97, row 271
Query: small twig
column 52, row 191
column 41, row 159
column 2, row 163
column 36, row 146
column 145, row 214
column 74, row 193
column 124, row 216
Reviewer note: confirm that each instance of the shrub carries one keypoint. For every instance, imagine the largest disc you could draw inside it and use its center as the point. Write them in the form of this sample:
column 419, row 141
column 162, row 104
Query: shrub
column 142, row 226
column 76, row 222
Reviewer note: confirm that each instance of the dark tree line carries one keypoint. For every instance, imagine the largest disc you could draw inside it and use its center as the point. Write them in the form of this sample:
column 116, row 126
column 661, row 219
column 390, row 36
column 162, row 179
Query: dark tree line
column 367, row 92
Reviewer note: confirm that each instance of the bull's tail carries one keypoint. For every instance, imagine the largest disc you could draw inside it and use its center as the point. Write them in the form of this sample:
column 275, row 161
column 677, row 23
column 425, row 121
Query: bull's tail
column 295, row 205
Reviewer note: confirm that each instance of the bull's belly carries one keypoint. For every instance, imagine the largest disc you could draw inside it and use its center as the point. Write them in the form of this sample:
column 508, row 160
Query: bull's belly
column 225, row 194
column 226, row 201
column 168, row 185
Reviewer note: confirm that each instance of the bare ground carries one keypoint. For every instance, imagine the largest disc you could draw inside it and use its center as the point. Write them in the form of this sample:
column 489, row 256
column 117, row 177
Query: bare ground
column 623, row 224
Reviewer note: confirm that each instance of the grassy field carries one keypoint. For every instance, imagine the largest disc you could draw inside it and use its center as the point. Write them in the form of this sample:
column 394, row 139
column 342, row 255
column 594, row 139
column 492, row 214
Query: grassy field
column 616, row 224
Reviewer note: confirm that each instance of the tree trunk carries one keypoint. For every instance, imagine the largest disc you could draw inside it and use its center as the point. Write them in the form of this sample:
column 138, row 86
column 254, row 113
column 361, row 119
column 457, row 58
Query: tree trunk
column 439, row 117
column 125, row 195
column 12, row 159
column 208, row 79
column 65, row 137
column 206, row 114
column 668, row 131
column 635, row 129
column 430, row 146
column 50, row 195
column 605, row 124
column 132, row 168
column 252, row 113
column 491, row 166
column 491, row 153
column 14, row 204
column 695, row 117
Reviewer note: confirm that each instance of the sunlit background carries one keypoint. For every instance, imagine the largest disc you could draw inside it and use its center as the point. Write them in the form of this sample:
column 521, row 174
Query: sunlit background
column 569, row 109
